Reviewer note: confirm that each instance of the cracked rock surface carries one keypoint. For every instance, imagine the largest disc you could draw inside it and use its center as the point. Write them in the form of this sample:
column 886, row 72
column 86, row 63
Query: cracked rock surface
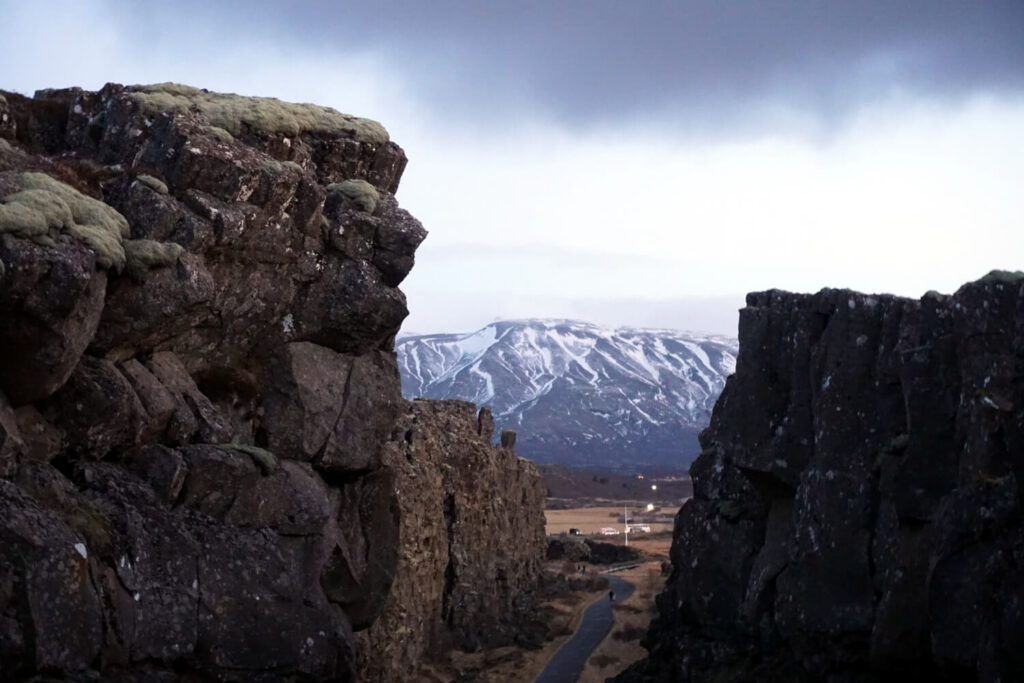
column 857, row 510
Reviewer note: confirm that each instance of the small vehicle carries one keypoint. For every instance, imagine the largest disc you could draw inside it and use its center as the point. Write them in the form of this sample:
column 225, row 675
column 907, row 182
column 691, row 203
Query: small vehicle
column 575, row 532
column 639, row 528
column 609, row 531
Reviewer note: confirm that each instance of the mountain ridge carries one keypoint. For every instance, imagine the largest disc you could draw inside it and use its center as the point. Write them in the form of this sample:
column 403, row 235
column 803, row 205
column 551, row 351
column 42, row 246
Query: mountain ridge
column 580, row 394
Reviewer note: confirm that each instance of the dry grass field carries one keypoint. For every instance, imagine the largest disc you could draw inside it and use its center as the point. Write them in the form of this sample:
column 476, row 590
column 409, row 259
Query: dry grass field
column 590, row 521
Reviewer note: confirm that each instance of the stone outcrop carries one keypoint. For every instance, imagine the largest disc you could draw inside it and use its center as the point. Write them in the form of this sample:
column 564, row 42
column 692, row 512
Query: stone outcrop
column 470, row 544
column 858, row 503
column 196, row 385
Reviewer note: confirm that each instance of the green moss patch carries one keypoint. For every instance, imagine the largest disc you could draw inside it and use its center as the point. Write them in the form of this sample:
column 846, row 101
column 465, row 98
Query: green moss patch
column 235, row 113
column 219, row 134
column 152, row 183
column 44, row 207
column 264, row 459
column 1001, row 277
column 361, row 192
column 141, row 256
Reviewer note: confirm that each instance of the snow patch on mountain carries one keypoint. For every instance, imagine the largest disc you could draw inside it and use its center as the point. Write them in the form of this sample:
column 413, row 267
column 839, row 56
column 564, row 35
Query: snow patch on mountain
column 579, row 393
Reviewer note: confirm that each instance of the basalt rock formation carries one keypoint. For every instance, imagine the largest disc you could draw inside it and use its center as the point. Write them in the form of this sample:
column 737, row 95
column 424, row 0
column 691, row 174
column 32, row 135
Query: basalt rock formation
column 198, row 305
column 857, row 510
column 858, row 502
column 471, row 545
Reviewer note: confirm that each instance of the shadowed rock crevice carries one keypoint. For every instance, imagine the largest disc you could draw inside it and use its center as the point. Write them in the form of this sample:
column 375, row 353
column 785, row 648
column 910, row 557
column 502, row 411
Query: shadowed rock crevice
column 857, row 510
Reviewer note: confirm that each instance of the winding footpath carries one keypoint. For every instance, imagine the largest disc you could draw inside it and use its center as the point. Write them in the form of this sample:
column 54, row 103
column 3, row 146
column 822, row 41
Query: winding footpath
column 567, row 664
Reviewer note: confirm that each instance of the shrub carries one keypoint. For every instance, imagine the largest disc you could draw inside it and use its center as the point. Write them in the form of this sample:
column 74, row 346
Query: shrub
column 627, row 633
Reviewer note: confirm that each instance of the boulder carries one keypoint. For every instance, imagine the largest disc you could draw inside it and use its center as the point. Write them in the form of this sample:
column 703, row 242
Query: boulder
column 51, row 299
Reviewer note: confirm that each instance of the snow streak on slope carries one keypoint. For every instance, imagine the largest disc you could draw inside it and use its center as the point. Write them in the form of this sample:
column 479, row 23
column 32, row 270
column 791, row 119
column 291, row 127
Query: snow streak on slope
column 578, row 393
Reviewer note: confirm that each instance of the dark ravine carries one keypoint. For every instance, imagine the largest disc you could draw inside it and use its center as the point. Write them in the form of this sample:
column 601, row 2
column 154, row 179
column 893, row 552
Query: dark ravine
column 858, row 503
column 203, row 444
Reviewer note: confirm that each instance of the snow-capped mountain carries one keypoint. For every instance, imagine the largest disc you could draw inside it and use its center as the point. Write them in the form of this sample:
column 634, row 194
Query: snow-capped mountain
column 579, row 394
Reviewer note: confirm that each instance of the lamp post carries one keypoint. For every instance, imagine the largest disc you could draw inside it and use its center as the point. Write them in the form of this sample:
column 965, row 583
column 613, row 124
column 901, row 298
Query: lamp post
column 625, row 520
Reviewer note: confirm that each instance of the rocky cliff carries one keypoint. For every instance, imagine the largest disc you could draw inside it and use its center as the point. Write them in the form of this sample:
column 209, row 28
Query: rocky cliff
column 198, row 304
column 858, row 502
column 471, row 549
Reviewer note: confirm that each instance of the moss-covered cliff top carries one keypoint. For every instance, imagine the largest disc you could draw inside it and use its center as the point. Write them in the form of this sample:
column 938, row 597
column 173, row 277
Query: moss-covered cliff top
column 266, row 114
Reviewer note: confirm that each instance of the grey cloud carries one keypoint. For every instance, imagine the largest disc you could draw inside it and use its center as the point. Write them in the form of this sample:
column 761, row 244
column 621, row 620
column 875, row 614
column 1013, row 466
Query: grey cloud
column 594, row 61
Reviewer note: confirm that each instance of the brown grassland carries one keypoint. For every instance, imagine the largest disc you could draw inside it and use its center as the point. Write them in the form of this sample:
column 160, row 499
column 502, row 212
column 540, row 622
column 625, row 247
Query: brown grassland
column 590, row 521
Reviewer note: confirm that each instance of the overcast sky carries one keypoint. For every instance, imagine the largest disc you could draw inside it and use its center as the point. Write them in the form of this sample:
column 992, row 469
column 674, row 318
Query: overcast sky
column 627, row 163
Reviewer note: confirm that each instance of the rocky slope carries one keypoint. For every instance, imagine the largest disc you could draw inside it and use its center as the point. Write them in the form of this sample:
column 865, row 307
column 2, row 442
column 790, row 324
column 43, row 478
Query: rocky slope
column 198, row 302
column 857, row 511
column 470, row 551
column 581, row 395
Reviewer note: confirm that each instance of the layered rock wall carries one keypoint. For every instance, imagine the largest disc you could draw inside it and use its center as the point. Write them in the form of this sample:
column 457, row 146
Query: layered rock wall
column 858, row 503
column 198, row 301
column 470, row 545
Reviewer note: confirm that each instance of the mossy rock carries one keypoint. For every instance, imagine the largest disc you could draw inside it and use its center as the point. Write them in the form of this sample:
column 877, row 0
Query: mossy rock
column 264, row 459
column 276, row 166
column 361, row 192
column 235, row 113
column 44, row 205
column 219, row 134
column 152, row 183
column 141, row 256
column 1001, row 277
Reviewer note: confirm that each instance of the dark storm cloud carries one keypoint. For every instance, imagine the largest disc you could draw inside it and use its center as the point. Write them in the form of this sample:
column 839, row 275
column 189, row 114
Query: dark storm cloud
column 598, row 60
